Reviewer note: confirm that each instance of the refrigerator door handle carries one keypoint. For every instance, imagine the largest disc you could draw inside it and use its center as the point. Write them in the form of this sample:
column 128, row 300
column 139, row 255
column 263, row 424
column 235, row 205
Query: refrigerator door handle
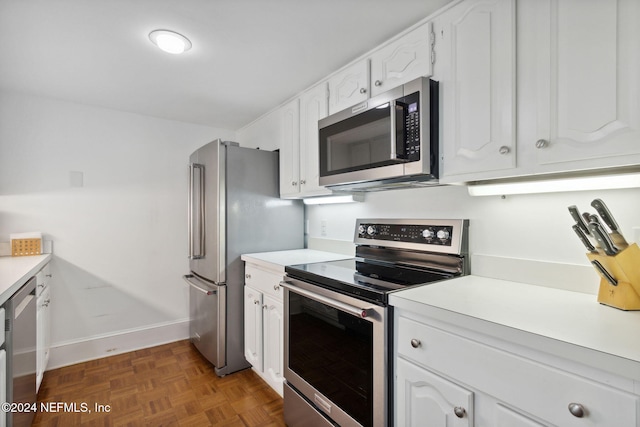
column 198, row 285
column 191, row 209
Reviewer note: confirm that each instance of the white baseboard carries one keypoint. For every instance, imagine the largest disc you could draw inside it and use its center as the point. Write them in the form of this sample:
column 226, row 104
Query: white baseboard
column 96, row 347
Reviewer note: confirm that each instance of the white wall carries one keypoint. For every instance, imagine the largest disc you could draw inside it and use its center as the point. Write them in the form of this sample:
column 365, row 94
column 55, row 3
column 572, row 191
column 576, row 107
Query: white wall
column 120, row 240
column 531, row 227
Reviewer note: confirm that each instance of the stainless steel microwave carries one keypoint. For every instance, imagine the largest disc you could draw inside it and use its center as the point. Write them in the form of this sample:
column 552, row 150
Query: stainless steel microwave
column 388, row 141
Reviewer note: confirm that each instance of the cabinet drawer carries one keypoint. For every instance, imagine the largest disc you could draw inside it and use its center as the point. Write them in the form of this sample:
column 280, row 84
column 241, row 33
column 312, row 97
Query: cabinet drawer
column 532, row 387
column 265, row 281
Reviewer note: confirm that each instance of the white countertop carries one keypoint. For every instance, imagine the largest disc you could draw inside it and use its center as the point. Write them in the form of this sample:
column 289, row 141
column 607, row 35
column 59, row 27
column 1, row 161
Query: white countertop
column 16, row 271
column 292, row 257
column 565, row 323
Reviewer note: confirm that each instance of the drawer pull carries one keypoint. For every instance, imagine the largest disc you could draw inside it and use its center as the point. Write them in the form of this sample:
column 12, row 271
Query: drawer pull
column 577, row 410
column 247, row 276
column 459, row 411
column 415, row 343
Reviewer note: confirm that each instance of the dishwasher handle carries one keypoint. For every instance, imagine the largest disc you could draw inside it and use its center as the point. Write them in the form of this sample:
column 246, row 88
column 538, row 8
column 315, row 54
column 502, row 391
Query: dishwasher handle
column 198, row 284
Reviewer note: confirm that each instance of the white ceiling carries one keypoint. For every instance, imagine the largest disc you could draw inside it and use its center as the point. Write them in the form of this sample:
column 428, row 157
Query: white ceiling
column 248, row 56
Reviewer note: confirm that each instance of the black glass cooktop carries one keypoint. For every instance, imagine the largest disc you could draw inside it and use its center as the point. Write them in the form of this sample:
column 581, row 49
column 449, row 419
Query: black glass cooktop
column 368, row 280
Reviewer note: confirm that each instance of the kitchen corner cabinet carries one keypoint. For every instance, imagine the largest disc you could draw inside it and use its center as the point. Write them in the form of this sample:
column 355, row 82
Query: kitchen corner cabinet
column 587, row 79
column 264, row 324
column 453, row 376
column 476, row 67
column 403, row 59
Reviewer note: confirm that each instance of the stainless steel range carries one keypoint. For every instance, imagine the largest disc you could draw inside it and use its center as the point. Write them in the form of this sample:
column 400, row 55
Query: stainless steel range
column 338, row 331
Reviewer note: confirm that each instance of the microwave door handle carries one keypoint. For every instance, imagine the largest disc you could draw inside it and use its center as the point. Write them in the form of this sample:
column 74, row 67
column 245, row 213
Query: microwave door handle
column 392, row 111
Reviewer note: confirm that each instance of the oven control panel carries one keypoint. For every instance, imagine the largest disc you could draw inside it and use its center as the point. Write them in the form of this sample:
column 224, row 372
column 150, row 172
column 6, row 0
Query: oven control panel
column 412, row 234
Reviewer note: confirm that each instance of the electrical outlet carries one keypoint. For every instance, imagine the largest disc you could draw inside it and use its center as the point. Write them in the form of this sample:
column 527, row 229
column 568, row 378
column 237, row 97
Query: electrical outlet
column 323, row 227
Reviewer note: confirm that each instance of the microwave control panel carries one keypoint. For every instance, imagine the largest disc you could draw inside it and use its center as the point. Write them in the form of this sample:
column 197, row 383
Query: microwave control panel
column 411, row 117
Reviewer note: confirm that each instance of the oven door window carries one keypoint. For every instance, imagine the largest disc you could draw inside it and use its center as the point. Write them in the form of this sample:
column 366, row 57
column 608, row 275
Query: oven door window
column 333, row 352
column 359, row 142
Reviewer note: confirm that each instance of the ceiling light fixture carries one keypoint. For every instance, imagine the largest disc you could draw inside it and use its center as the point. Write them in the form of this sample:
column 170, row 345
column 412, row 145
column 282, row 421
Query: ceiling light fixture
column 170, row 41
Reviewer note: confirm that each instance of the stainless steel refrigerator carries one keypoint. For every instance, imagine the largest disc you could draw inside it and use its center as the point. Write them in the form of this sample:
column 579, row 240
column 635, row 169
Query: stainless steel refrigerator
column 234, row 208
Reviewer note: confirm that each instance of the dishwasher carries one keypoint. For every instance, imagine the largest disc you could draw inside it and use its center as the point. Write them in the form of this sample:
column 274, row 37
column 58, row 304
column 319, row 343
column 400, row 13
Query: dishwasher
column 20, row 327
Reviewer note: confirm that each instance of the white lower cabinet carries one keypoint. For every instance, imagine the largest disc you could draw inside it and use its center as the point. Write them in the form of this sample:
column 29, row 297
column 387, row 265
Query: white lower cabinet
column 430, row 400
column 43, row 322
column 3, row 384
column 457, row 377
column 264, row 324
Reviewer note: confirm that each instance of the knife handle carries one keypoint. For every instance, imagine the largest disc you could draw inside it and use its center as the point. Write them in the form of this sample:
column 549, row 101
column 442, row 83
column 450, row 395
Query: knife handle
column 605, row 214
column 575, row 214
column 604, row 273
column 583, row 238
column 602, row 238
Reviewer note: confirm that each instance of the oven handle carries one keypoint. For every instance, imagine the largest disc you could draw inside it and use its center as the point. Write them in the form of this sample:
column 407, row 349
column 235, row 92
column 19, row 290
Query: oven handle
column 358, row 312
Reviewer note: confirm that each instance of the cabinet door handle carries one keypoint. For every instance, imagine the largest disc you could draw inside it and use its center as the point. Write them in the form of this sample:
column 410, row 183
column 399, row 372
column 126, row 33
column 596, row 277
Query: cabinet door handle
column 459, row 411
column 276, row 287
column 256, row 302
column 303, row 182
column 415, row 343
column 542, row 143
column 294, row 183
column 504, row 150
column 378, row 83
column 247, row 276
column 577, row 410
column 363, row 90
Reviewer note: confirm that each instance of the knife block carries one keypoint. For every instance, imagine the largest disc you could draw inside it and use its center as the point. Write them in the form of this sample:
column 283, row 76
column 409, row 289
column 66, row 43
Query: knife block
column 625, row 268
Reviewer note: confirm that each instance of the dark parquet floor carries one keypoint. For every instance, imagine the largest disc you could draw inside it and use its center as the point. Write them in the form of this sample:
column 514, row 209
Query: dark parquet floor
column 168, row 385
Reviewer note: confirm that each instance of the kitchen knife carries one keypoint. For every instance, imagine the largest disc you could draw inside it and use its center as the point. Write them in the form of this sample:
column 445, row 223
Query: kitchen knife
column 573, row 210
column 583, row 238
column 608, row 219
column 592, row 218
column 604, row 273
column 601, row 236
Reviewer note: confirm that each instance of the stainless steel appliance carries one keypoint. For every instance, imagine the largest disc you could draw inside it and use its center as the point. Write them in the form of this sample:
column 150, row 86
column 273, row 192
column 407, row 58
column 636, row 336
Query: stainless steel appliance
column 234, row 208
column 388, row 141
column 20, row 325
column 338, row 325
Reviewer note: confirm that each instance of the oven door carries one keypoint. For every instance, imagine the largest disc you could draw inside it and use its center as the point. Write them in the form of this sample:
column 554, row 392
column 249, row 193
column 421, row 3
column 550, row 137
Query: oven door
column 335, row 356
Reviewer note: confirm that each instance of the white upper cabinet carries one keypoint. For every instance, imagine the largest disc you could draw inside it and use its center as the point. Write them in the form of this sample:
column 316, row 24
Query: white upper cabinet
column 402, row 60
column 349, row 86
column 313, row 107
column 476, row 68
column 288, row 118
column 587, row 63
